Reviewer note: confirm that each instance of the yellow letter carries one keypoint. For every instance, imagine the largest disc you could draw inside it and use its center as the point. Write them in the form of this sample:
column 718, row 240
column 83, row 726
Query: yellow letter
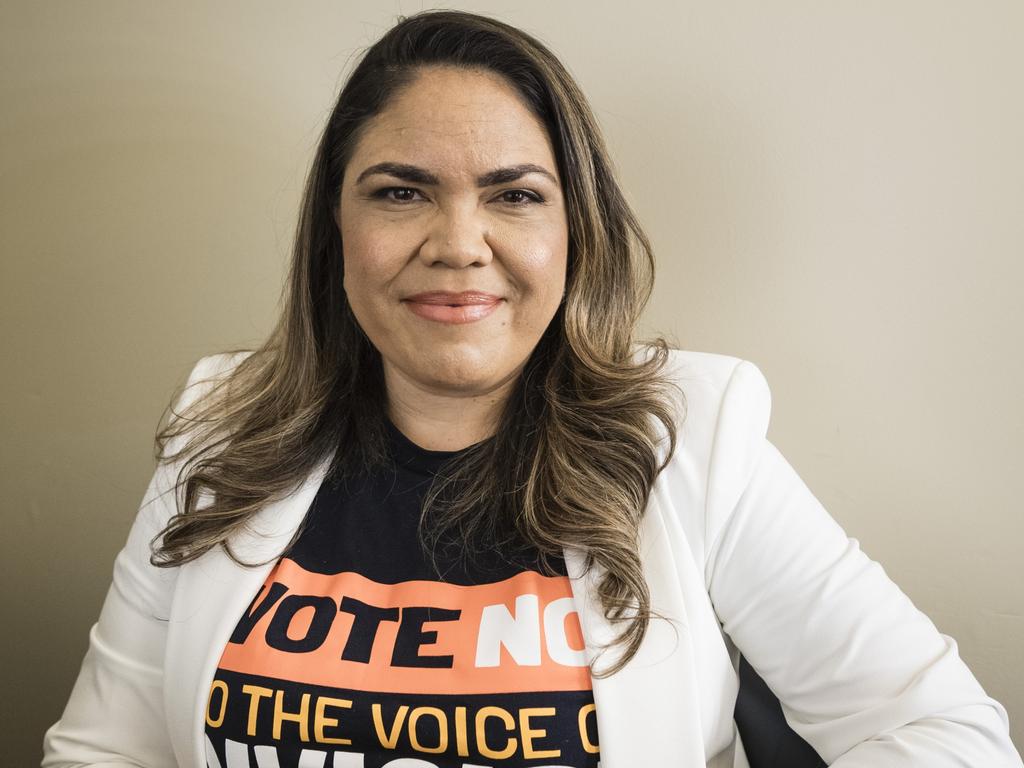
column 301, row 717
column 217, row 722
column 460, row 732
column 588, row 747
column 481, row 733
column 442, row 727
column 256, row 693
column 529, row 734
column 389, row 740
column 320, row 721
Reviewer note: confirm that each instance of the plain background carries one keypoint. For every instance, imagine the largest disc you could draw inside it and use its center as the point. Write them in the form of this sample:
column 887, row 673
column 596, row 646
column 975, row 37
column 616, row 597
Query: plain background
column 834, row 191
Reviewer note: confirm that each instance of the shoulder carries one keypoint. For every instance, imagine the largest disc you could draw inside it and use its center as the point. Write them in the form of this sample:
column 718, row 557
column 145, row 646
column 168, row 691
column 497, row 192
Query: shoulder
column 207, row 372
column 710, row 376
column 723, row 413
column 716, row 391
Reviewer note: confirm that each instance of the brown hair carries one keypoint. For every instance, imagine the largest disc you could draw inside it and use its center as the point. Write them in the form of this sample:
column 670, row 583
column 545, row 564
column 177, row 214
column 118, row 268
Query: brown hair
column 577, row 445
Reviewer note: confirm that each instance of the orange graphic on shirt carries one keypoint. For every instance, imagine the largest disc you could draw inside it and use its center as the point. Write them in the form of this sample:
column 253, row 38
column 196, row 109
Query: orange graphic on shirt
column 346, row 631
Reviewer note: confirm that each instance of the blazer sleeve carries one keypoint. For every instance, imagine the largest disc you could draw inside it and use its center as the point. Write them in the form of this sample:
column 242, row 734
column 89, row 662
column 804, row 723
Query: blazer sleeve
column 115, row 715
column 861, row 674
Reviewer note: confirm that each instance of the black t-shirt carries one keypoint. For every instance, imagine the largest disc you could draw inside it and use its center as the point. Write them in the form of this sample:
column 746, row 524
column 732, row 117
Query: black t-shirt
column 354, row 654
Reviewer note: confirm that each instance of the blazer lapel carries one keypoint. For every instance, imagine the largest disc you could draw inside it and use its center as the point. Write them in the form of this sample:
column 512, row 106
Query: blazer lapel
column 648, row 712
column 211, row 594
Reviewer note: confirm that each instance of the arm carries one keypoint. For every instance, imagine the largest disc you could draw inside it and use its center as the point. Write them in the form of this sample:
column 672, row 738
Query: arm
column 115, row 715
column 861, row 674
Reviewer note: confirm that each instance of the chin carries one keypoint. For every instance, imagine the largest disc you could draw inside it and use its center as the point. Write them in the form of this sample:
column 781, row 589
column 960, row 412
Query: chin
column 465, row 371
column 462, row 379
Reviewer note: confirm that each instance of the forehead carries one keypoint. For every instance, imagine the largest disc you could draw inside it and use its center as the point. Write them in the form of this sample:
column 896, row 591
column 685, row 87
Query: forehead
column 457, row 118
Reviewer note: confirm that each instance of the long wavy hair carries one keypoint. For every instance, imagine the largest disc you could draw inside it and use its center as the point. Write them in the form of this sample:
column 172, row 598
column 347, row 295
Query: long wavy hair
column 580, row 440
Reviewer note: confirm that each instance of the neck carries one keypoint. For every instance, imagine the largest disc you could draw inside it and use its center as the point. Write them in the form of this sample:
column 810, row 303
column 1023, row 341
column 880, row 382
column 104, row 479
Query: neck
column 444, row 420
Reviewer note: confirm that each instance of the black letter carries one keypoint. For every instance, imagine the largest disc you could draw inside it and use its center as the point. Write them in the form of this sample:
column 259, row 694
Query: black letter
column 411, row 636
column 366, row 620
column 323, row 615
column 252, row 616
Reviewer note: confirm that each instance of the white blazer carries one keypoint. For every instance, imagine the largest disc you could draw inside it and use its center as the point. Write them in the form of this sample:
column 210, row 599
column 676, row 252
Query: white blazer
column 736, row 551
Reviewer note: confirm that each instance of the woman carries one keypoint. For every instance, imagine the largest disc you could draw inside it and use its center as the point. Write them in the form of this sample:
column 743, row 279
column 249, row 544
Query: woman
column 604, row 526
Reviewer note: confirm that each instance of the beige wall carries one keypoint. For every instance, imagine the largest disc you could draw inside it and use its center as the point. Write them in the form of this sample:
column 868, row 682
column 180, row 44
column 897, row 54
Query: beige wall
column 834, row 191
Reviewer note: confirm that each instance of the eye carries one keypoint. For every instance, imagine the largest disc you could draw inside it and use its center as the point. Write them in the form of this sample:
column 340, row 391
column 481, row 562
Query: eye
column 520, row 194
column 402, row 194
column 517, row 198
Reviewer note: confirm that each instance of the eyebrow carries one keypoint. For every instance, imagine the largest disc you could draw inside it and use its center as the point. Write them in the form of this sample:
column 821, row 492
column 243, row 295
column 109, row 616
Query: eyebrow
column 416, row 175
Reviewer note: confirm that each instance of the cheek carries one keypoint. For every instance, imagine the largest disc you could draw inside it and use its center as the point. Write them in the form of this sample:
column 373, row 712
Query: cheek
column 542, row 264
column 354, row 268
column 542, row 281
column 367, row 260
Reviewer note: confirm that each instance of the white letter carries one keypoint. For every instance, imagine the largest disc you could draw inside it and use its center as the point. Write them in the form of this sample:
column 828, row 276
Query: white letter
column 554, row 633
column 519, row 634
column 212, row 761
column 236, row 754
column 266, row 757
column 348, row 760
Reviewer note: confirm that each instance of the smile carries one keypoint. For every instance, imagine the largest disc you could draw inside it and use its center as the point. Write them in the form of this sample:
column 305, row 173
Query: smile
column 451, row 307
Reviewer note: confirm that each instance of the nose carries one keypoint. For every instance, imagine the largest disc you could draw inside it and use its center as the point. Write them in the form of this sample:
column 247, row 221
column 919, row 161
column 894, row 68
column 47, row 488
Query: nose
column 457, row 238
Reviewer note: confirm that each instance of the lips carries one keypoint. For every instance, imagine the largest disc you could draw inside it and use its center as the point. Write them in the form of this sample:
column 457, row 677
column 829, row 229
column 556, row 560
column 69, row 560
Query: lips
column 451, row 299
column 453, row 308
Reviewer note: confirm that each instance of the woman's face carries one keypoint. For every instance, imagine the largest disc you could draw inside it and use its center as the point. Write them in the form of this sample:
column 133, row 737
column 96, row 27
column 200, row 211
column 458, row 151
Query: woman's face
column 453, row 189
